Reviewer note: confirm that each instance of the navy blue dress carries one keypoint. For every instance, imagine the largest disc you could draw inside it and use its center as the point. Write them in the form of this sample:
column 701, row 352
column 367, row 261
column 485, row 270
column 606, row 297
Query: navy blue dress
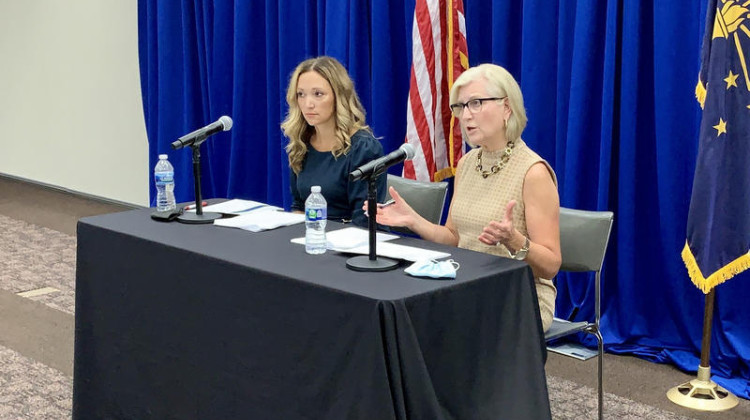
column 345, row 198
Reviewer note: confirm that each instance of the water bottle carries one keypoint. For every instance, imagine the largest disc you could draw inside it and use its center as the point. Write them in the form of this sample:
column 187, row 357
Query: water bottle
column 164, row 178
column 316, row 211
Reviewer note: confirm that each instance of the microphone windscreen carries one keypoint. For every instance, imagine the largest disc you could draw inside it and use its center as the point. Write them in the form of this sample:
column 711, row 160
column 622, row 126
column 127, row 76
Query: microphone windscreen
column 226, row 122
column 408, row 149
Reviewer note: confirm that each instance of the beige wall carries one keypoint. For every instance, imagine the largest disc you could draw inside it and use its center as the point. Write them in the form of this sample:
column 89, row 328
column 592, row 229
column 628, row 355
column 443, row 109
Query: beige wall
column 70, row 103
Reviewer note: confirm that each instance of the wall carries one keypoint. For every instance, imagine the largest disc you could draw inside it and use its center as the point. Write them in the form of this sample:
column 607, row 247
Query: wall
column 70, row 104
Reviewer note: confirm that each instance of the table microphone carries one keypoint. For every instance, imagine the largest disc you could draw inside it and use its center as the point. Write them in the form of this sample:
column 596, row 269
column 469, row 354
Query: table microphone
column 222, row 124
column 379, row 165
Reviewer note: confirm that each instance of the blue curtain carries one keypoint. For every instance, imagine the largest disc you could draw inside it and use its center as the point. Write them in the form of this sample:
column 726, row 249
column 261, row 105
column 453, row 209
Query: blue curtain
column 608, row 87
column 200, row 60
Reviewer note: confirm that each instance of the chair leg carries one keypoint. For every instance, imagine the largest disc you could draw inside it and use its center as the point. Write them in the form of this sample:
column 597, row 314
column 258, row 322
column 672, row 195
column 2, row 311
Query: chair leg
column 601, row 365
column 593, row 329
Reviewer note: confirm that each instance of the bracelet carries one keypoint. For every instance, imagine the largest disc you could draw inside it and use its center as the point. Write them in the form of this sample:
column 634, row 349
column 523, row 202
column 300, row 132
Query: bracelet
column 521, row 253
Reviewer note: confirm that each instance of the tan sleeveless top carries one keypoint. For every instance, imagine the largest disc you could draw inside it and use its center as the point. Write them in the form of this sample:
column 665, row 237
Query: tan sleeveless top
column 477, row 201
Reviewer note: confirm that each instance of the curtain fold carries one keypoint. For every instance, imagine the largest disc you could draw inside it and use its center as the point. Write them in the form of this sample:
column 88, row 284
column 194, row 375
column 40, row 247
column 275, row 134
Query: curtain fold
column 608, row 86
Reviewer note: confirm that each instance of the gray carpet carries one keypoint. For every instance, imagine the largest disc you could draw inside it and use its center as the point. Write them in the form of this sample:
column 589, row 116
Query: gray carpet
column 32, row 390
column 34, row 257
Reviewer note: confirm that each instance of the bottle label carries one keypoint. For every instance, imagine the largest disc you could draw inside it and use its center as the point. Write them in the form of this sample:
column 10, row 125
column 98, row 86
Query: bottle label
column 313, row 215
column 162, row 178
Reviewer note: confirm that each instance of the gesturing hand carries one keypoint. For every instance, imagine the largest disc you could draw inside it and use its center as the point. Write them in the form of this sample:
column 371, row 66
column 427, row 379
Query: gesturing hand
column 500, row 232
column 397, row 214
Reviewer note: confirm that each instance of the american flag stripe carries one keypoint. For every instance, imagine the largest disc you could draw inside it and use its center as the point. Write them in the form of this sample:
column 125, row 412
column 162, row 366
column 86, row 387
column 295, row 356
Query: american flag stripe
column 419, row 132
column 423, row 77
column 458, row 62
column 441, row 98
column 438, row 57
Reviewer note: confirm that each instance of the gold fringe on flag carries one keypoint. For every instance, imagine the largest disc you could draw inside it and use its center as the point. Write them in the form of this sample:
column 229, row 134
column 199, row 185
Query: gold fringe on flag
column 720, row 276
column 700, row 93
column 444, row 173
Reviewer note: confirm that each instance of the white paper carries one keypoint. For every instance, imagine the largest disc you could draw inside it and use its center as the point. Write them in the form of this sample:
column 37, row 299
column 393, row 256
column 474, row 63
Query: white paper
column 350, row 237
column 354, row 240
column 265, row 218
column 397, row 252
column 236, row 206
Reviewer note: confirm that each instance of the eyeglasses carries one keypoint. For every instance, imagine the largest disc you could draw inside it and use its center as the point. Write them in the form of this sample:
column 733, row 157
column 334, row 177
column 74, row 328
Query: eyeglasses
column 474, row 105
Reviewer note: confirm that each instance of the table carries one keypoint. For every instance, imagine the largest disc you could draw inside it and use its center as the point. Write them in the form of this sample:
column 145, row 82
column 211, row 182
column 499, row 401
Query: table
column 200, row 322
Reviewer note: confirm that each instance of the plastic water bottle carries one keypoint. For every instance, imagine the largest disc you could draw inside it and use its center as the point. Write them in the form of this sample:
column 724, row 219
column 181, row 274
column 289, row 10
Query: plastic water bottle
column 316, row 211
column 164, row 178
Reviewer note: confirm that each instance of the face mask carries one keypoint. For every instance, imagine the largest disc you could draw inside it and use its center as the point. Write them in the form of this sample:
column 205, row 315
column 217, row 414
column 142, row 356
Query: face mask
column 432, row 268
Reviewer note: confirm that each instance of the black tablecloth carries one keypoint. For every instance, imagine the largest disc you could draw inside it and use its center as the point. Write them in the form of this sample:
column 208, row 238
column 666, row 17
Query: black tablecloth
column 201, row 322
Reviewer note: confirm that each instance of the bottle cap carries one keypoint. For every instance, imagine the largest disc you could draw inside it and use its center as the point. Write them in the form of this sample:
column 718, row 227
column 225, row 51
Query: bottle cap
column 315, row 188
column 163, row 157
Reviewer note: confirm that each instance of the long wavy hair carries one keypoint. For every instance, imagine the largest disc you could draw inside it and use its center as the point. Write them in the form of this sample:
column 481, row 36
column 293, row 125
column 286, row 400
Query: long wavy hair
column 349, row 114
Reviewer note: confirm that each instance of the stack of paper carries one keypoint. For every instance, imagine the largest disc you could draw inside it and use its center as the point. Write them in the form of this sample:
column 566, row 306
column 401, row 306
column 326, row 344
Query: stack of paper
column 353, row 237
column 397, row 252
column 263, row 218
column 236, row 207
column 350, row 237
column 357, row 241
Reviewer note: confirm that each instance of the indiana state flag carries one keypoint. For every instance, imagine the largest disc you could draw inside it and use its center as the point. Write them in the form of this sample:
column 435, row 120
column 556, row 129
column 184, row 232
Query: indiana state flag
column 718, row 229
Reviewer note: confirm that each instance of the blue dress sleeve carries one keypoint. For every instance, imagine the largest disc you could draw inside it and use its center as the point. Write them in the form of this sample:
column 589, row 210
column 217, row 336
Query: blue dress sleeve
column 365, row 148
column 298, row 202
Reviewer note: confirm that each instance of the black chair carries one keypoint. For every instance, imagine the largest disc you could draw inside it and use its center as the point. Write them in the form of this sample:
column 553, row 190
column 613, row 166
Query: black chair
column 426, row 198
column 584, row 236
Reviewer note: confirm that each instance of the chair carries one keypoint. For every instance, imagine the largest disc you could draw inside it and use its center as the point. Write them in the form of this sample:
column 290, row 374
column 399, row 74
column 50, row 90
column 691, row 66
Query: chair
column 426, row 198
column 584, row 236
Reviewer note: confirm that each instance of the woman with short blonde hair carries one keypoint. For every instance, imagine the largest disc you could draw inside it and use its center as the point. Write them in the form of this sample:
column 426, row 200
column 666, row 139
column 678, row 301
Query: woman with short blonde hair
column 505, row 199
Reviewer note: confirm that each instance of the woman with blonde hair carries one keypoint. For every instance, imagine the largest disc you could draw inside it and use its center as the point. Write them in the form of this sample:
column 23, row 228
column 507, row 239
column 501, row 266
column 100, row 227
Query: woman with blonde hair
column 505, row 199
column 328, row 139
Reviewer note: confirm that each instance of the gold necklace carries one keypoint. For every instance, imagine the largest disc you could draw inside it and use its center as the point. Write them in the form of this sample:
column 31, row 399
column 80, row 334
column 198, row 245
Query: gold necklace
column 500, row 164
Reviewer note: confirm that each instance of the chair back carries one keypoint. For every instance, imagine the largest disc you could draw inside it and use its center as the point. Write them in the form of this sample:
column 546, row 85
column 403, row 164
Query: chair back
column 584, row 236
column 426, row 198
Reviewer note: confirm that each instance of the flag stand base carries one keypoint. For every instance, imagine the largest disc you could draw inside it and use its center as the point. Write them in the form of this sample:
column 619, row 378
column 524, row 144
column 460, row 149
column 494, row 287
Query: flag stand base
column 703, row 394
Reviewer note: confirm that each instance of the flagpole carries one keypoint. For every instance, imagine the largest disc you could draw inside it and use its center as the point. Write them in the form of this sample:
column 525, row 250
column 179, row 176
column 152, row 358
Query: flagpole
column 702, row 393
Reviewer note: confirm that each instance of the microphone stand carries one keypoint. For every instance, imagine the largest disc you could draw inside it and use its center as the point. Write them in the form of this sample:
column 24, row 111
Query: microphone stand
column 198, row 218
column 372, row 262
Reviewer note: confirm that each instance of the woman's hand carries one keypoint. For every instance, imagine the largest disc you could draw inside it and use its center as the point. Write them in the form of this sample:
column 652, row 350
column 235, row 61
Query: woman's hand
column 542, row 213
column 501, row 232
column 397, row 214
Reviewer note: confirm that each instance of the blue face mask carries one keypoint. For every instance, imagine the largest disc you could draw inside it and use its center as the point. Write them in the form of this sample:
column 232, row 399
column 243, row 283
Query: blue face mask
column 434, row 269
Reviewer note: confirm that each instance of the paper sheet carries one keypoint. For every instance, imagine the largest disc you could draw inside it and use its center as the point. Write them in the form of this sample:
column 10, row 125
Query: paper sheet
column 264, row 218
column 397, row 252
column 236, row 206
column 350, row 237
column 357, row 241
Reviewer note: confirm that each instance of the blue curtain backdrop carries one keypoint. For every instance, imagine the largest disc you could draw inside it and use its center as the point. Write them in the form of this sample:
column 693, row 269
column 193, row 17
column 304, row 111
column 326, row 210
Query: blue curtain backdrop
column 608, row 87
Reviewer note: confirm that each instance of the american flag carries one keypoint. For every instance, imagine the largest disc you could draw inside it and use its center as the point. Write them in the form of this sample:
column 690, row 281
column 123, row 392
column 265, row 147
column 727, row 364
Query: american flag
column 439, row 56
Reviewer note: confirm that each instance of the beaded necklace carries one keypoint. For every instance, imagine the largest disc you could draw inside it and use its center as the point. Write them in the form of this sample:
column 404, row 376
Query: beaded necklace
column 500, row 164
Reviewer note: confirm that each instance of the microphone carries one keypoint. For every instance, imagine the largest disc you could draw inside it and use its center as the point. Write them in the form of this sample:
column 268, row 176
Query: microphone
column 222, row 124
column 379, row 165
